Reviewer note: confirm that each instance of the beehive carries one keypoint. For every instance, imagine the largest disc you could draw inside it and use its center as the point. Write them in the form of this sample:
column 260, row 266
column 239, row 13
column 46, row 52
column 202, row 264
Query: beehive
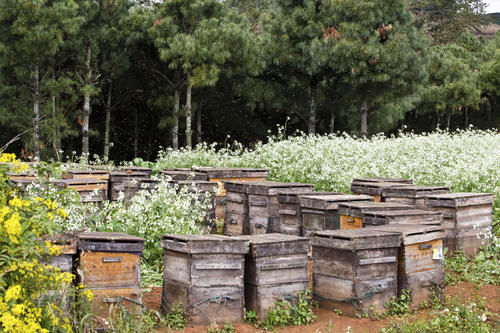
column 86, row 174
column 275, row 269
column 263, row 205
column 320, row 212
column 354, row 270
column 204, row 274
column 236, row 207
column 89, row 189
column 375, row 189
column 136, row 169
column 352, row 214
column 467, row 217
column 420, row 260
column 383, row 180
column 291, row 213
column 127, row 183
column 407, row 216
column 413, row 194
column 219, row 175
column 22, row 176
column 109, row 266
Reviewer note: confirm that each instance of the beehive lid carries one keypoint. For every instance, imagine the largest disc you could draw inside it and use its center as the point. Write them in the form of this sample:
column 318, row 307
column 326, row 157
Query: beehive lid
column 330, row 202
column 204, row 244
column 21, row 175
column 200, row 185
column 413, row 233
column 217, row 172
column 66, row 242
column 402, row 212
column 382, row 179
column 109, row 242
column 459, row 199
column 237, row 186
column 357, row 209
column 373, row 188
column 356, row 239
column 270, row 187
column 294, row 197
column 184, row 175
column 78, row 181
column 415, row 191
column 276, row 244
column 87, row 172
column 129, row 169
column 117, row 175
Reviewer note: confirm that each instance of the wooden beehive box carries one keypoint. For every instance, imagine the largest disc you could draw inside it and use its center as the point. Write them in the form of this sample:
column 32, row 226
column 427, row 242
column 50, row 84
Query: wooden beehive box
column 236, row 208
column 177, row 175
column 413, row 194
column 125, row 182
column 22, row 176
column 291, row 213
column 467, row 217
column 86, row 174
column 204, row 272
column 219, row 175
column 354, row 269
column 407, row 216
column 263, row 205
column 383, row 180
column 375, row 189
column 275, row 269
column 22, row 184
column 320, row 212
column 136, row 169
column 196, row 185
column 89, row 189
column 109, row 266
column 420, row 260
column 352, row 214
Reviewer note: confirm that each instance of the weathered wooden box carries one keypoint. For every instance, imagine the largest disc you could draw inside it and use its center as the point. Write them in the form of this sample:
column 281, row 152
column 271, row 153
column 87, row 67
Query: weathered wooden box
column 22, row 176
column 275, row 269
column 236, row 208
column 413, row 194
column 204, row 273
column 420, row 260
column 320, row 212
column 127, row 183
column 109, row 266
column 263, row 205
column 177, row 175
column 383, row 180
column 291, row 213
column 89, row 189
column 409, row 216
column 467, row 218
column 86, row 174
column 375, row 189
column 219, row 175
column 352, row 214
column 354, row 270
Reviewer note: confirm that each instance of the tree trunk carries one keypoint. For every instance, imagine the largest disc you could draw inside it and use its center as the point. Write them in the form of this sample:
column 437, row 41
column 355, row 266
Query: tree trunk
column 107, row 124
column 175, row 129
column 438, row 120
column 36, row 111
column 136, row 133
column 448, row 119
column 466, row 113
column 364, row 116
column 86, row 108
column 198, row 124
column 188, row 113
column 312, row 109
column 332, row 122
column 488, row 109
column 56, row 141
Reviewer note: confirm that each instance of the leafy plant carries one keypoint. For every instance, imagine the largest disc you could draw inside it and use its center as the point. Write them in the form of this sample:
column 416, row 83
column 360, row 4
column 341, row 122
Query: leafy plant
column 290, row 311
column 227, row 328
column 399, row 306
column 175, row 318
column 251, row 316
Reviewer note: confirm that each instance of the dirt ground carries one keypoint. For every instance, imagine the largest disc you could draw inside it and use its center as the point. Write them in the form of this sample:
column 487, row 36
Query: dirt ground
column 328, row 321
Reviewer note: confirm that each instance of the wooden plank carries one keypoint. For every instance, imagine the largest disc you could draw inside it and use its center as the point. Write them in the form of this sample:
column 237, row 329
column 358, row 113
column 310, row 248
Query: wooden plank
column 276, row 269
column 106, row 302
column 194, row 244
column 383, row 180
column 373, row 188
column 459, row 199
column 330, row 202
column 358, row 209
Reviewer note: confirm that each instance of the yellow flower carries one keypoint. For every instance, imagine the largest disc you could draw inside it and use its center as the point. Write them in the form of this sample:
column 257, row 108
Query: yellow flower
column 88, row 294
column 12, row 293
column 13, row 227
column 18, row 309
column 3, row 212
column 62, row 213
column 4, row 158
column 19, row 203
column 54, row 250
column 49, row 214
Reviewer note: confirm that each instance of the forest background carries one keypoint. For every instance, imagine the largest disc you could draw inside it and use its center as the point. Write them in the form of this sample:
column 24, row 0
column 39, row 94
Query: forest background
column 122, row 78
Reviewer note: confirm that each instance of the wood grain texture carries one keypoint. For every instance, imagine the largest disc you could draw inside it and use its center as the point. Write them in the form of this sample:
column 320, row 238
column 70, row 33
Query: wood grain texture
column 411, row 216
column 109, row 269
column 105, row 302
